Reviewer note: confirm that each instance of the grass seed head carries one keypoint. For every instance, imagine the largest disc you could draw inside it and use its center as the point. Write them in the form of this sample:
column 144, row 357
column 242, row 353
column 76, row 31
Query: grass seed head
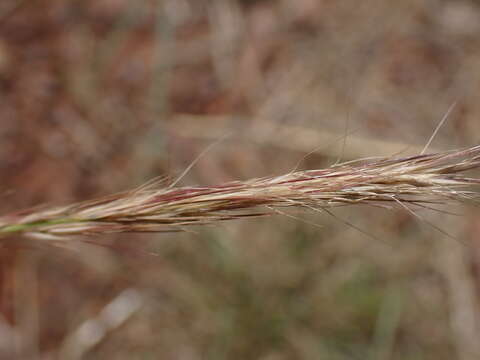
column 420, row 179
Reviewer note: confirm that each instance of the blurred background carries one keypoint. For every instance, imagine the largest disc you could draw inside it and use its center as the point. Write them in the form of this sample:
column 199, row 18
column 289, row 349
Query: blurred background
column 101, row 96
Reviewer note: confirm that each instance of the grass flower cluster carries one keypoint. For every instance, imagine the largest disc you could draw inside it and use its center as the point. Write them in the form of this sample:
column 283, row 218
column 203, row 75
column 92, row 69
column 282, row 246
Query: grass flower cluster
column 416, row 180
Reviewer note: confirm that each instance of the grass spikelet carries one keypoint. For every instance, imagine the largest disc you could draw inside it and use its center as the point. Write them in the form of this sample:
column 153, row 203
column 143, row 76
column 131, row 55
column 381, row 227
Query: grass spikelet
column 420, row 179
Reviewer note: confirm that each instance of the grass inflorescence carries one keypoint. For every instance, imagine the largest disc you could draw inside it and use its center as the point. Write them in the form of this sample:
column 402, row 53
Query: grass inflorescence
column 416, row 180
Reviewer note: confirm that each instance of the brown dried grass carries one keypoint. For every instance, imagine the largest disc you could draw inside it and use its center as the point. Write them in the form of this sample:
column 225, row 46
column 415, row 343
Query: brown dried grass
column 416, row 180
